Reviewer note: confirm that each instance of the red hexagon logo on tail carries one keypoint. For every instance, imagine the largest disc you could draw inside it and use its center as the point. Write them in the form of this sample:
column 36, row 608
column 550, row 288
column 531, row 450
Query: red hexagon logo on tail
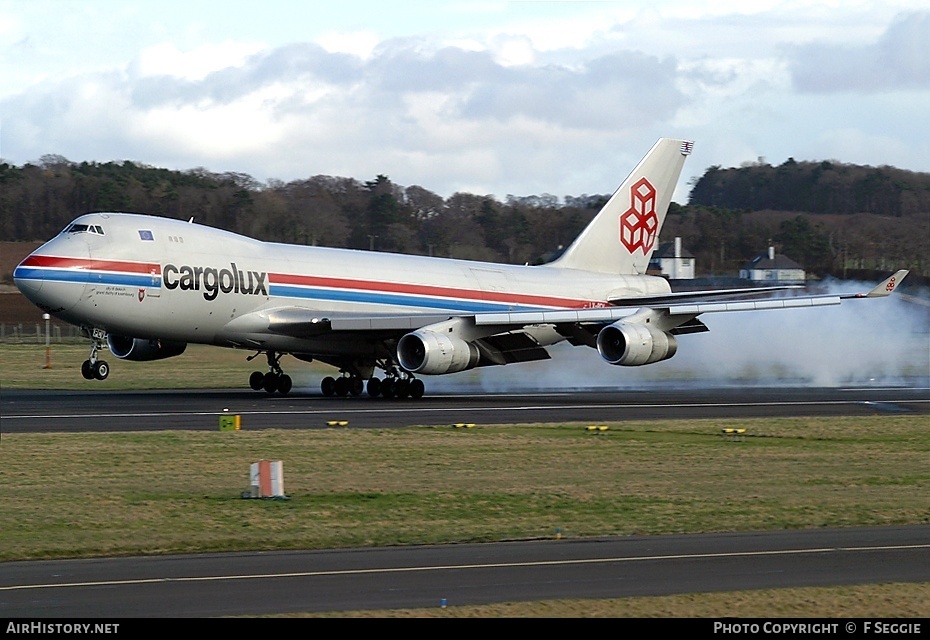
column 639, row 224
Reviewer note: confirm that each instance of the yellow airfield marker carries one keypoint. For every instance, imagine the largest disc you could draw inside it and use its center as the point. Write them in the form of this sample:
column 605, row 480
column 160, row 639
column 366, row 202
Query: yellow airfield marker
column 230, row 422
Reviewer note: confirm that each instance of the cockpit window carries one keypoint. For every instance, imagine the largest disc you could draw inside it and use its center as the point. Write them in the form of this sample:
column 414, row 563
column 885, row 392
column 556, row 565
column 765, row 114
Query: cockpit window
column 85, row 228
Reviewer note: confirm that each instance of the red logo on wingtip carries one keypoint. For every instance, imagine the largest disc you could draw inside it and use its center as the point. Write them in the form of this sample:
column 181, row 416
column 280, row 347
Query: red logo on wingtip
column 639, row 224
column 890, row 286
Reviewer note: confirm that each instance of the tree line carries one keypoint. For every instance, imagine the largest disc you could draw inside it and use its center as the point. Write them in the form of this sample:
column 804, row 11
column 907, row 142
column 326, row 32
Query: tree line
column 815, row 187
column 826, row 216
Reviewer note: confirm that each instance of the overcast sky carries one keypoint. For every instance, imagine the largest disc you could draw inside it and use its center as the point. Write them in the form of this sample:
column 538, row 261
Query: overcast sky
column 486, row 97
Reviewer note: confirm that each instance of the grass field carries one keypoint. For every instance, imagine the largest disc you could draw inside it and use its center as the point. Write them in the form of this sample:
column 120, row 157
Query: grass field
column 179, row 491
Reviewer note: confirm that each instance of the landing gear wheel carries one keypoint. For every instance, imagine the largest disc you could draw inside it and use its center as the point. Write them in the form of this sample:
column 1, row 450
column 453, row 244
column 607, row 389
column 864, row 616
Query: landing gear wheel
column 328, row 386
column 271, row 382
column 92, row 367
column 387, row 388
column 417, row 388
column 374, row 387
column 100, row 369
column 402, row 388
column 342, row 387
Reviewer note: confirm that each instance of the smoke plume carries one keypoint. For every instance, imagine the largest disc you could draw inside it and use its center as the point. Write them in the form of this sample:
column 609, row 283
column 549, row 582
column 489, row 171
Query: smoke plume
column 873, row 341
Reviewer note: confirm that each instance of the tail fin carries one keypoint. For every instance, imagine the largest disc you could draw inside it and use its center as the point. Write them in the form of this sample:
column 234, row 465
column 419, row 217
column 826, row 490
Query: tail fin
column 621, row 238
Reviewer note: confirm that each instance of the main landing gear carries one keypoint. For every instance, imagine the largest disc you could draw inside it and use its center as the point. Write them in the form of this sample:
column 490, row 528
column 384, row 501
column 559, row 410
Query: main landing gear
column 92, row 368
column 396, row 384
column 273, row 381
column 342, row 386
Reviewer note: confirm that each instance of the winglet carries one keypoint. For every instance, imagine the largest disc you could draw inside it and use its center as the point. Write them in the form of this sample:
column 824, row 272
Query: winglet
column 886, row 287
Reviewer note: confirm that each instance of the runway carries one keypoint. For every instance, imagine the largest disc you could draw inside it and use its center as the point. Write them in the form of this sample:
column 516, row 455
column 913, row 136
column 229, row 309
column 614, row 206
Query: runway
column 430, row 576
column 37, row 411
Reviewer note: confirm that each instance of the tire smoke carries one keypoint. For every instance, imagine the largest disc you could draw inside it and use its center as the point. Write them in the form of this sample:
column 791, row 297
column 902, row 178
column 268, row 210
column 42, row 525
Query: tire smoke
column 882, row 341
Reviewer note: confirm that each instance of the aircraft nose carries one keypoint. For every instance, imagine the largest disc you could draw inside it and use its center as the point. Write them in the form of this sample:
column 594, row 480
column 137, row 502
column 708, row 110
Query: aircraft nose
column 23, row 282
column 50, row 282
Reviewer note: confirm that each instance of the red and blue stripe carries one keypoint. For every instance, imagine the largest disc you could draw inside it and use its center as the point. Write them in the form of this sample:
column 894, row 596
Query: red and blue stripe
column 89, row 271
column 413, row 295
column 318, row 288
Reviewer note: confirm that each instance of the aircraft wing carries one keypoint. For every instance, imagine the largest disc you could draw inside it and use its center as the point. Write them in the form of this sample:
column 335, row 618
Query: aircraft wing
column 687, row 304
column 306, row 323
column 300, row 322
column 497, row 345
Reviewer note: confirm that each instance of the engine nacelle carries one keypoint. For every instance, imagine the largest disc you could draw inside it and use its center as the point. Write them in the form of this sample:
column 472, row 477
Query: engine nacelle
column 433, row 353
column 630, row 345
column 141, row 349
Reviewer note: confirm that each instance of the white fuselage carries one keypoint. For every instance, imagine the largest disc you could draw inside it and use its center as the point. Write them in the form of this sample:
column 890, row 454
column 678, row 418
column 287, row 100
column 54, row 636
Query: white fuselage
column 151, row 277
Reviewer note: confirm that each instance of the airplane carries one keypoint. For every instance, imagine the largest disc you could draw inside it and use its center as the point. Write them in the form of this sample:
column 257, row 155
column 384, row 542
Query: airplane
column 144, row 287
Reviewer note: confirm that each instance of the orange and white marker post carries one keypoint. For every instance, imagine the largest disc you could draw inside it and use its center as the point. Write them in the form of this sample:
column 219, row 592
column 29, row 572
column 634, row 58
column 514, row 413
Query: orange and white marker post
column 267, row 479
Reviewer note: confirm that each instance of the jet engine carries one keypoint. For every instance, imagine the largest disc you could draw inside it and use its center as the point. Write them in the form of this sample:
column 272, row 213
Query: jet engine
column 630, row 345
column 143, row 349
column 433, row 353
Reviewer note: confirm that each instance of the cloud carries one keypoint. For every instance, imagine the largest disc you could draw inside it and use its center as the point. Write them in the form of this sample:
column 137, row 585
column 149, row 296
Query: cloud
column 625, row 89
column 504, row 98
column 407, row 104
column 165, row 59
column 301, row 67
column 899, row 59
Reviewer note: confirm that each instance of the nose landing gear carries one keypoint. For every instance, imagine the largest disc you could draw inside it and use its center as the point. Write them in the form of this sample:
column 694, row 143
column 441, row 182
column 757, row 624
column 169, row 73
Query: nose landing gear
column 92, row 368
